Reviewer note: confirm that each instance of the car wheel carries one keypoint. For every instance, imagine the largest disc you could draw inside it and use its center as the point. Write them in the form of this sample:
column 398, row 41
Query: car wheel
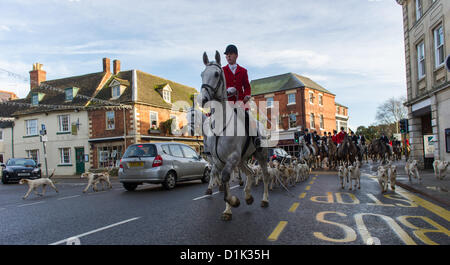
column 206, row 175
column 170, row 180
column 130, row 186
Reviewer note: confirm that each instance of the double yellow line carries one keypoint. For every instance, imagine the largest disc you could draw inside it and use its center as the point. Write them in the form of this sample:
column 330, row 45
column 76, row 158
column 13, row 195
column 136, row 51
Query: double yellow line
column 282, row 224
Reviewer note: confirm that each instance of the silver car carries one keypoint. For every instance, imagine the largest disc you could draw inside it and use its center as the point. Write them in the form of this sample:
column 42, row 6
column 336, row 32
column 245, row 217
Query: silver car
column 165, row 163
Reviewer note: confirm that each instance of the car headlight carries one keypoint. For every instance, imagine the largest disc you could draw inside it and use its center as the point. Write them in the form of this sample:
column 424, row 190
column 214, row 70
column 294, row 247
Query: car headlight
column 36, row 170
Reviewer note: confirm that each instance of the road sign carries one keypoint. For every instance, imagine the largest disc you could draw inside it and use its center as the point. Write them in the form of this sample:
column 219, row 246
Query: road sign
column 44, row 138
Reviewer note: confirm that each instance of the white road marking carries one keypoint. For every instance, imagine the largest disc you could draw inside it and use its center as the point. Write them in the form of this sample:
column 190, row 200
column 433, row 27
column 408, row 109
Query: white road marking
column 205, row 196
column 30, row 204
column 69, row 197
column 94, row 231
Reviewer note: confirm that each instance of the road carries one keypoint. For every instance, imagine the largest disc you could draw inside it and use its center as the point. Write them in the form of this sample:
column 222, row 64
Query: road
column 314, row 212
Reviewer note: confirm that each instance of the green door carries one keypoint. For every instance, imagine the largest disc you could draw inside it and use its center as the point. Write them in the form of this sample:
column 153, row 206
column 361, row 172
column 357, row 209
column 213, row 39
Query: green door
column 79, row 153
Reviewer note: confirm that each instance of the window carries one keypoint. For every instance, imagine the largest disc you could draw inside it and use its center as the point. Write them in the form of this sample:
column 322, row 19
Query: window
column 110, row 155
column 337, row 109
column 63, row 123
column 421, row 60
column 166, row 95
column 292, row 121
column 188, row 152
column 269, row 102
column 311, row 97
column 418, row 9
column 311, row 121
column 35, row 99
column 153, row 120
column 175, row 150
column 110, row 120
column 116, row 91
column 64, row 156
column 69, row 94
column 291, row 99
column 320, row 99
column 31, row 127
column 1, row 135
column 33, row 154
column 321, row 121
column 1, row 158
column 439, row 46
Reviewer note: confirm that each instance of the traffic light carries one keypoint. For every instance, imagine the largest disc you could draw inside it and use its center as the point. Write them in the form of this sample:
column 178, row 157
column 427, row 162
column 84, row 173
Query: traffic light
column 404, row 125
column 296, row 137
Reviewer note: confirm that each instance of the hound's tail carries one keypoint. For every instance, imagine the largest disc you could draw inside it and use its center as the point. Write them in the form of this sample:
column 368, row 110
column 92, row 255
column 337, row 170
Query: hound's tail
column 53, row 173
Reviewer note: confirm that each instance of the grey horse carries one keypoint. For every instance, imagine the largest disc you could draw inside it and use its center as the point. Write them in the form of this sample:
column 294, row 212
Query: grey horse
column 229, row 151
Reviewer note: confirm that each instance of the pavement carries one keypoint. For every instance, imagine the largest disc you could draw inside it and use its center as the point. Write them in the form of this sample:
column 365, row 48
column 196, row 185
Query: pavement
column 430, row 186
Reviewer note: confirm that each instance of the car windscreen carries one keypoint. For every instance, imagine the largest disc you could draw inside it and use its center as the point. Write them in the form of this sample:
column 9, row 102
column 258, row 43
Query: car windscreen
column 21, row 162
column 141, row 150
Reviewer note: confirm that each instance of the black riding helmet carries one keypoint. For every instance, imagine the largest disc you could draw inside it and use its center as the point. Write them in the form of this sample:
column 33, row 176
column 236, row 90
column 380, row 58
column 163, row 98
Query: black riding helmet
column 231, row 49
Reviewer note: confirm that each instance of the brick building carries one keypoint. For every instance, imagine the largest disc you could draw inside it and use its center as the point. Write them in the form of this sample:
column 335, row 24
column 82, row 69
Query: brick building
column 143, row 103
column 91, row 119
column 302, row 104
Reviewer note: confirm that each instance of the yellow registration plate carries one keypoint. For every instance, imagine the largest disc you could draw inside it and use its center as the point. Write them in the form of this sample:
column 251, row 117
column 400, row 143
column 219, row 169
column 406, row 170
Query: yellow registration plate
column 136, row 164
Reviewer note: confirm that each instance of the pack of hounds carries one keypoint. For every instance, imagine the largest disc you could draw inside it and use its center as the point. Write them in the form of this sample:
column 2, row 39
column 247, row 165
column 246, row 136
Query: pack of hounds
column 281, row 173
column 93, row 180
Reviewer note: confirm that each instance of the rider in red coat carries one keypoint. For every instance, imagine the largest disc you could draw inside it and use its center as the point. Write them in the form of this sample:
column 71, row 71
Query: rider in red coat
column 236, row 77
column 340, row 136
column 238, row 86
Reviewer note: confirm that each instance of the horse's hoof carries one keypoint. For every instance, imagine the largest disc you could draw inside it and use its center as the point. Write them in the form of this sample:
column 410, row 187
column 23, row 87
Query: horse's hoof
column 249, row 200
column 226, row 217
column 241, row 183
column 264, row 204
column 208, row 192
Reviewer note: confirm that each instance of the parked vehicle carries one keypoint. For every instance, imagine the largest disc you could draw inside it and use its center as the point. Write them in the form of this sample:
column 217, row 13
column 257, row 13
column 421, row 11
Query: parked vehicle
column 164, row 163
column 278, row 154
column 16, row 169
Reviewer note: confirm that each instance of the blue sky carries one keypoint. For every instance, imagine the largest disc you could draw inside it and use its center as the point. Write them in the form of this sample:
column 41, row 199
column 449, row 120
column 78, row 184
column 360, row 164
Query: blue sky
column 354, row 48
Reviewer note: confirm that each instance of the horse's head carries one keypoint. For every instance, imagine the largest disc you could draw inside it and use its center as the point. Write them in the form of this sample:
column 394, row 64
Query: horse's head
column 213, row 81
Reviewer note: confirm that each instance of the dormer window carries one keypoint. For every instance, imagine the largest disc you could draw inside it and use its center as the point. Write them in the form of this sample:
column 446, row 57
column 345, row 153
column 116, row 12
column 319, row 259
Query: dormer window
column 117, row 87
column 70, row 93
column 166, row 95
column 35, row 99
column 116, row 91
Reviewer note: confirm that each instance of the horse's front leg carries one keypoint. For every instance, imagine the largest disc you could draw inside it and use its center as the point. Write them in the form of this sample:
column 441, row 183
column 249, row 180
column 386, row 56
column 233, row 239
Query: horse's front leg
column 226, row 172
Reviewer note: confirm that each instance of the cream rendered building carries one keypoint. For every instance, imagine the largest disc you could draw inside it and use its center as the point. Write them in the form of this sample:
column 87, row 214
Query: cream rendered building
column 426, row 26
column 67, row 140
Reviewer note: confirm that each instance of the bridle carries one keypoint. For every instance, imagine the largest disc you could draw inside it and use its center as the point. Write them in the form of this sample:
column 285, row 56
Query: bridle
column 208, row 87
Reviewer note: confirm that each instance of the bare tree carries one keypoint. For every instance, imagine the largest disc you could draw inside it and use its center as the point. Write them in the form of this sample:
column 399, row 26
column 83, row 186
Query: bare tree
column 392, row 111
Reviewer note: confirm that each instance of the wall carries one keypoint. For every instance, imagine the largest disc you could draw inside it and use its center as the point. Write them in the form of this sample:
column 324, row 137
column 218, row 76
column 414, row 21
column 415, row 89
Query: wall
column 55, row 141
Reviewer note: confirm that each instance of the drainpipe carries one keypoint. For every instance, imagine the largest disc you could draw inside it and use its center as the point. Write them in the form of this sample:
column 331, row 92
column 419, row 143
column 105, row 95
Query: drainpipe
column 124, row 130
column 12, row 141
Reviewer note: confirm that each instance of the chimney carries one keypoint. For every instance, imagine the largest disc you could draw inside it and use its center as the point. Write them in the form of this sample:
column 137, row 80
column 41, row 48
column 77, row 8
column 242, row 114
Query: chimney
column 37, row 75
column 116, row 66
column 106, row 65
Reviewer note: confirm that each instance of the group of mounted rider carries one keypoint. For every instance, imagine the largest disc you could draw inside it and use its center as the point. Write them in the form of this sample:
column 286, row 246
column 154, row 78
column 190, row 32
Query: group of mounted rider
column 338, row 148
